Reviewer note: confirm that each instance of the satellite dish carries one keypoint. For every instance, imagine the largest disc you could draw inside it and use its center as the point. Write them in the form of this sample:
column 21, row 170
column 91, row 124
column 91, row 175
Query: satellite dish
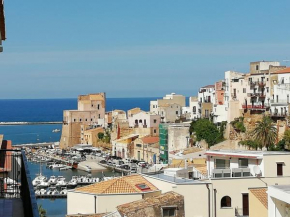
column 257, row 170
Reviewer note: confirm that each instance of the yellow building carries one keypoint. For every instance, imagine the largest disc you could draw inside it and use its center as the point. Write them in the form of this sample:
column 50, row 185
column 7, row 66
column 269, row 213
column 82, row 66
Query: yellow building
column 258, row 202
column 91, row 136
column 147, row 149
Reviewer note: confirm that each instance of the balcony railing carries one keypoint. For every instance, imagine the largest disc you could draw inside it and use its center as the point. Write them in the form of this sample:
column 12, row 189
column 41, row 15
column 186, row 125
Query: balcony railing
column 15, row 181
column 255, row 107
column 231, row 172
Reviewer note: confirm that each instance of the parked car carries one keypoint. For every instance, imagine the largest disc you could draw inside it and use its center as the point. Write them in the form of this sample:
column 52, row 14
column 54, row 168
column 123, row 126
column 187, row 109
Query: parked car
column 103, row 162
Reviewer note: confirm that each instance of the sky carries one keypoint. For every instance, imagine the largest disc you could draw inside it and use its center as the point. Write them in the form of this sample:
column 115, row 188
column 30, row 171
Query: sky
column 127, row 48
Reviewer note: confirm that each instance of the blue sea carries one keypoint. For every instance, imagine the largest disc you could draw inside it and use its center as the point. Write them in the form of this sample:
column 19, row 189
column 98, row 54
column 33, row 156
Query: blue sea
column 46, row 110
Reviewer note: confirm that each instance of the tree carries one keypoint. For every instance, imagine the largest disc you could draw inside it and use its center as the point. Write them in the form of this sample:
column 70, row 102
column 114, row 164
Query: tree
column 251, row 144
column 100, row 135
column 204, row 129
column 286, row 138
column 41, row 211
column 265, row 132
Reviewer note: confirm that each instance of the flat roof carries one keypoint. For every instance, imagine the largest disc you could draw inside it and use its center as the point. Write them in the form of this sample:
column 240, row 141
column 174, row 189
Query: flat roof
column 245, row 154
column 284, row 188
column 173, row 180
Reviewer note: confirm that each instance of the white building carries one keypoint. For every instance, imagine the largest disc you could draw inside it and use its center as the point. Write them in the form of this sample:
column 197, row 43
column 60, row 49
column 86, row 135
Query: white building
column 194, row 108
column 279, row 201
column 144, row 120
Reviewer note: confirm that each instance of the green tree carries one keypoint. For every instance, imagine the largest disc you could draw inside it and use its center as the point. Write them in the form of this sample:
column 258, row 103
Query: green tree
column 205, row 129
column 100, row 135
column 265, row 132
column 286, row 138
column 251, row 144
column 41, row 211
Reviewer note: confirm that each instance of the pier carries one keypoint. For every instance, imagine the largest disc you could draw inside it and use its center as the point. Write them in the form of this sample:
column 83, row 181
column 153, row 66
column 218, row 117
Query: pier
column 51, row 196
column 30, row 123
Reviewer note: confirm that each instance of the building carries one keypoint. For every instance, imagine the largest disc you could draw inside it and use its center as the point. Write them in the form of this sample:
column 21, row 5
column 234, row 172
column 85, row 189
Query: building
column 168, row 204
column 194, row 106
column 123, row 147
column 90, row 136
column 218, row 194
column 258, row 202
column 105, row 196
column 90, row 114
column 163, row 142
column 178, row 137
column 206, row 97
column 133, row 111
column 169, row 112
column 279, row 200
column 147, row 121
column 147, row 149
column 2, row 25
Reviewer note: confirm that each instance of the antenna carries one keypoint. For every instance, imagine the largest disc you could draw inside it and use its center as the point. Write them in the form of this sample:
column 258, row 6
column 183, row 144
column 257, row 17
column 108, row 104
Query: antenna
column 257, row 170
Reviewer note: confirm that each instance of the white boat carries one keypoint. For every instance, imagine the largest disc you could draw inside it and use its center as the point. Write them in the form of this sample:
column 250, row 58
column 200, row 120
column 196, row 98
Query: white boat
column 72, row 183
column 56, row 130
column 40, row 192
column 52, row 180
column 57, row 166
column 52, row 191
column 61, row 183
column 63, row 191
column 88, row 168
column 43, row 184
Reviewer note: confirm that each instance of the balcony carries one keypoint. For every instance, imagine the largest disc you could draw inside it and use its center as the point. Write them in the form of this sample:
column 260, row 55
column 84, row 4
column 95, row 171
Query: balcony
column 231, row 172
column 255, row 107
column 17, row 196
column 279, row 114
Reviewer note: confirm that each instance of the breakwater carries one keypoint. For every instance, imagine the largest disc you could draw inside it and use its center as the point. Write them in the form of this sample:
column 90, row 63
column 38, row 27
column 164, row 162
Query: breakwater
column 30, row 123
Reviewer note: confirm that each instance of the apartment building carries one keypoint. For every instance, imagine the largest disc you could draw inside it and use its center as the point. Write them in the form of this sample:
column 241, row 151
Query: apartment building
column 2, row 25
column 90, row 114
column 206, row 97
column 146, row 149
column 194, row 107
column 230, row 176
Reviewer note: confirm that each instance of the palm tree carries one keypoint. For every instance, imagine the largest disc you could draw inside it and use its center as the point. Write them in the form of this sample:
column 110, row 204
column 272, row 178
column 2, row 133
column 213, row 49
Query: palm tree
column 265, row 132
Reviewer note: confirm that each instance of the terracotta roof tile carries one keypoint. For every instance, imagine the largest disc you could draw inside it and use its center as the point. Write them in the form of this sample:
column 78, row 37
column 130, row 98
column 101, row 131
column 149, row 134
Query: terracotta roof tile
column 126, row 184
column 261, row 195
column 286, row 70
column 150, row 139
column 202, row 168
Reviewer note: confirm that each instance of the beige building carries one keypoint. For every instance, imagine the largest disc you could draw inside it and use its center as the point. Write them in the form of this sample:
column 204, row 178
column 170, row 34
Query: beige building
column 91, row 136
column 90, row 114
column 258, row 202
column 105, row 196
column 147, row 149
column 133, row 111
column 232, row 174
column 2, row 25
column 178, row 137
column 169, row 113
column 123, row 147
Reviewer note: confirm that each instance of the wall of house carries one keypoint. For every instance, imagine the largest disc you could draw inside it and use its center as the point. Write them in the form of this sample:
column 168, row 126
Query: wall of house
column 177, row 137
column 256, row 208
column 208, row 107
column 270, row 165
column 80, row 203
column 108, row 203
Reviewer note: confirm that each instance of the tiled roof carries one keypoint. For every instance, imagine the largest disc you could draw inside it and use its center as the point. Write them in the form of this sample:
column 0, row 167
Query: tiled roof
column 169, row 198
column 202, row 168
column 6, row 157
column 2, row 20
column 261, row 195
column 150, row 139
column 286, row 70
column 126, row 184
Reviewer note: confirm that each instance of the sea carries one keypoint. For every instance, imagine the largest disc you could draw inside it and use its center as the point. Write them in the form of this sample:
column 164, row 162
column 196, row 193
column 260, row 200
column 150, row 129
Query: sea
column 51, row 110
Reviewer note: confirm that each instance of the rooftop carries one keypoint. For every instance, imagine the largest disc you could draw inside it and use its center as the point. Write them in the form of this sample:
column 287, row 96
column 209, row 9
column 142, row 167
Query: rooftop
column 127, row 137
column 150, row 139
column 123, row 185
column 286, row 70
column 173, row 180
column 245, row 154
column 261, row 195
column 157, row 201
column 208, row 86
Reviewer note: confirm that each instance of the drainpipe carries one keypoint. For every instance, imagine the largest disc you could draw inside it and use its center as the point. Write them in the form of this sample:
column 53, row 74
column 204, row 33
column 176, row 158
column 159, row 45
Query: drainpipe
column 214, row 202
column 95, row 204
column 207, row 186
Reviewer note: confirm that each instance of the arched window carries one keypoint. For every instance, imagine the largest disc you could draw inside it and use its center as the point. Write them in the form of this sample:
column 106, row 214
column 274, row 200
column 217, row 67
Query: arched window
column 226, row 202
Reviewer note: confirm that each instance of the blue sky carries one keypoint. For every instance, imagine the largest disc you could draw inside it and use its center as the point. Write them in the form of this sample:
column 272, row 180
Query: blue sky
column 126, row 48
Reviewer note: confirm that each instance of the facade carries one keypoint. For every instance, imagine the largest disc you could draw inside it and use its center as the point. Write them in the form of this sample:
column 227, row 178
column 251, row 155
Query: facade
column 145, row 120
column 123, row 147
column 169, row 113
column 147, row 149
column 279, row 200
column 206, row 97
column 178, row 137
column 2, row 25
column 91, row 136
column 105, row 196
column 90, row 114
column 258, row 202
column 194, row 108
column 133, row 111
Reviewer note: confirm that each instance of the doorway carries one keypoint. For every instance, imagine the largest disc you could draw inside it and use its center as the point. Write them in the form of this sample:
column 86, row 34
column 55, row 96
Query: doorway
column 245, row 204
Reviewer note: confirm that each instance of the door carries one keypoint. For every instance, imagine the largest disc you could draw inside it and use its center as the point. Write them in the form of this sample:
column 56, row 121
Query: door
column 138, row 155
column 245, row 204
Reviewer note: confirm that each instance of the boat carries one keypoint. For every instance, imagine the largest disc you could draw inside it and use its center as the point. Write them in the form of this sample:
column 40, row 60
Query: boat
column 63, row 191
column 40, row 192
column 52, row 180
column 56, row 130
column 43, row 184
column 73, row 182
column 52, row 191
column 57, row 166
column 61, row 183
column 87, row 168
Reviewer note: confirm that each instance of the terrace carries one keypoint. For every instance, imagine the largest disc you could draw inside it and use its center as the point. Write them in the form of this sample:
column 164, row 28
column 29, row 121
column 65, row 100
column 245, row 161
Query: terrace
column 17, row 198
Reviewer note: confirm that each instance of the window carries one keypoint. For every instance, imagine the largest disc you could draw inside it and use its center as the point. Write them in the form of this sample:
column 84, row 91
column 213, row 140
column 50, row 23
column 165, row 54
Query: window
column 226, row 202
column 140, row 121
column 267, row 89
column 138, row 145
column 74, row 120
column 98, row 106
column 86, row 119
column 222, row 163
column 155, row 121
column 243, row 163
column 267, row 79
column 92, row 105
column 257, row 67
column 279, row 169
column 169, row 211
column 143, row 187
column 80, row 119
column 91, row 119
column 244, row 90
column 194, row 109
column 176, row 112
column 277, row 98
column 99, row 116
column 155, row 131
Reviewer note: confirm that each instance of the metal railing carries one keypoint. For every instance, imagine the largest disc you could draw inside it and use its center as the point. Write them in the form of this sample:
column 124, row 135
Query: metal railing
column 15, row 180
